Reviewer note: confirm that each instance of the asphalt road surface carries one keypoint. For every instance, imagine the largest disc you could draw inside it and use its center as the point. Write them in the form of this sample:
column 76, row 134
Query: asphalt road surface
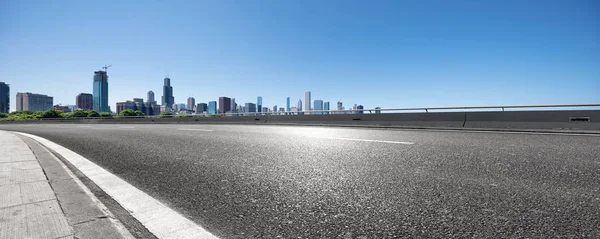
column 250, row 181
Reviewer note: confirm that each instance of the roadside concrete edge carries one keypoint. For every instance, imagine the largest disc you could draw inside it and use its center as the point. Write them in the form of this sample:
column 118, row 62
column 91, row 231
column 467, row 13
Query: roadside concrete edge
column 88, row 216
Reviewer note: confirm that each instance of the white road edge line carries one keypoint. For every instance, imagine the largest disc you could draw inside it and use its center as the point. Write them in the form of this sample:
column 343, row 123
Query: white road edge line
column 207, row 130
column 367, row 140
column 84, row 126
column 159, row 219
column 126, row 127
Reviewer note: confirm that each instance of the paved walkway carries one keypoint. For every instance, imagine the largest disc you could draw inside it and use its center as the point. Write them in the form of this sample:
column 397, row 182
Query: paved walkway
column 28, row 205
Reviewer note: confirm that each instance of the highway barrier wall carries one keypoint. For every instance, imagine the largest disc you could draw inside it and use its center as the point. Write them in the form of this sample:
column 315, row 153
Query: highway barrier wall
column 564, row 120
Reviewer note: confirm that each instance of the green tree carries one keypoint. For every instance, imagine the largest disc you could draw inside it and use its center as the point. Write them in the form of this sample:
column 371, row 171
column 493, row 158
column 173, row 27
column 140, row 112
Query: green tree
column 139, row 113
column 50, row 114
column 106, row 114
column 92, row 113
column 79, row 114
column 3, row 115
column 127, row 113
column 165, row 114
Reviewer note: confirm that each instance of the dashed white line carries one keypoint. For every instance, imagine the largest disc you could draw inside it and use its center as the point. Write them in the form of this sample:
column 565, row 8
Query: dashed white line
column 84, row 126
column 159, row 219
column 367, row 140
column 207, row 130
column 126, row 127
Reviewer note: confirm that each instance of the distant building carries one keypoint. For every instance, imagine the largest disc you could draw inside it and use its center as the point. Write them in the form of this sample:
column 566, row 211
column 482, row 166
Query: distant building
column 151, row 96
column 4, row 98
column 201, row 107
column 175, row 107
column 281, row 109
column 287, row 104
column 212, row 107
column 275, row 108
column 100, row 92
column 294, row 109
column 191, row 102
column 307, row 101
column 259, row 103
column 326, row 106
column 360, row 109
column 224, row 105
column 233, row 105
column 299, row 105
column 250, row 107
column 84, row 101
column 340, row 106
column 265, row 109
column 127, row 105
column 318, row 105
column 33, row 102
column 151, row 108
column 168, row 99
column 62, row 108
column 377, row 110
column 181, row 106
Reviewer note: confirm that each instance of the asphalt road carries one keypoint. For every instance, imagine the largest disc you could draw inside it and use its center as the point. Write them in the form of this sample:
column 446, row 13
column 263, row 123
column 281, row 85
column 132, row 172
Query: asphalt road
column 317, row 182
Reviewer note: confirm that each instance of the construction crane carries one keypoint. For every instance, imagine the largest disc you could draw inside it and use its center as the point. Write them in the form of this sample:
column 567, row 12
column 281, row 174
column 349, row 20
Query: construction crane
column 105, row 67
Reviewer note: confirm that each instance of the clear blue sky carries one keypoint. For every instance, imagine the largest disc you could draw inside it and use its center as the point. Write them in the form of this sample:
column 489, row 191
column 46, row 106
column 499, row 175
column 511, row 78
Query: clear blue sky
column 377, row 53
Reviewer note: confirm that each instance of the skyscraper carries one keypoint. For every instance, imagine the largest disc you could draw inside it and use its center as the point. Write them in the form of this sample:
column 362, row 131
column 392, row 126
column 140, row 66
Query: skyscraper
column 259, row 103
column 84, row 101
column 275, row 108
column 33, row 102
column 168, row 99
column 307, row 101
column 212, row 107
column 318, row 106
column 340, row 106
column 250, row 107
column 360, row 109
column 287, row 104
column 201, row 107
column 4, row 97
column 299, row 105
column 191, row 102
column 233, row 105
column 224, row 105
column 100, row 93
column 150, row 96
column 326, row 106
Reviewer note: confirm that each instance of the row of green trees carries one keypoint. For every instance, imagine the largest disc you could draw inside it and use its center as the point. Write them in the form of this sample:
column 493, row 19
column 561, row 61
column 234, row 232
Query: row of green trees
column 32, row 115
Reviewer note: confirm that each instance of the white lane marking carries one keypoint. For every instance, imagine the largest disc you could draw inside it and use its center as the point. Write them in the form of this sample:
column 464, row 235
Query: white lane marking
column 367, row 140
column 84, row 126
column 498, row 132
column 126, row 127
column 207, row 130
column 159, row 219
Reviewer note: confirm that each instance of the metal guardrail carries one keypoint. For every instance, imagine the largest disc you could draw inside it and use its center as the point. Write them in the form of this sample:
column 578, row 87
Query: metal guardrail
column 352, row 111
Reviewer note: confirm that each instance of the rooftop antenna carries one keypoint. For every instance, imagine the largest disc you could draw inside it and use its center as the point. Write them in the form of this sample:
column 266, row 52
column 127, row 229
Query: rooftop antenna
column 105, row 67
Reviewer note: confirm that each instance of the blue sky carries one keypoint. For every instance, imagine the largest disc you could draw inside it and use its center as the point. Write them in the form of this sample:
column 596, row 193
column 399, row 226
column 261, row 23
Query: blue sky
column 375, row 53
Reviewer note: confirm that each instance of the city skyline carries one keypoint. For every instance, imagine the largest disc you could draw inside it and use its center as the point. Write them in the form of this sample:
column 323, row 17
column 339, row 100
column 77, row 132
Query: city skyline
column 390, row 55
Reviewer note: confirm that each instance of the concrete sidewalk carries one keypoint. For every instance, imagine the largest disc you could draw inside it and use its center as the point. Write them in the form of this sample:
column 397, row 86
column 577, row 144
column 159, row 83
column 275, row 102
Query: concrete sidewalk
column 46, row 202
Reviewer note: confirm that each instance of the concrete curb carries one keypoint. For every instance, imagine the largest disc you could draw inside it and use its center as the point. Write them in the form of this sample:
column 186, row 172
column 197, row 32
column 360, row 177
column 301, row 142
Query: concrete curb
column 89, row 217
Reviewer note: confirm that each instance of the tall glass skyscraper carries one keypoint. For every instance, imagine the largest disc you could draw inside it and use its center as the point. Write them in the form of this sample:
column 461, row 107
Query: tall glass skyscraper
column 326, row 106
column 100, row 94
column 212, row 107
column 168, row 99
column 307, row 101
column 259, row 103
column 287, row 104
column 4, row 97
column 318, row 106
